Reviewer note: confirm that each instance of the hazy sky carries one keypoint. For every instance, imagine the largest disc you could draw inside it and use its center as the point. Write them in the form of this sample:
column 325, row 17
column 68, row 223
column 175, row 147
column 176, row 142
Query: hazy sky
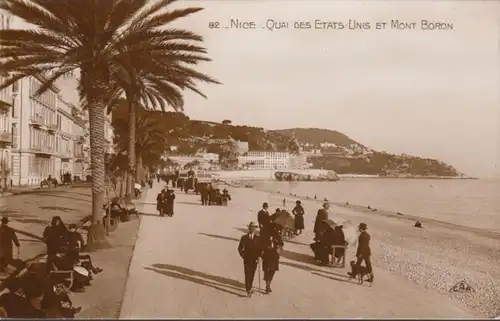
column 427, row 93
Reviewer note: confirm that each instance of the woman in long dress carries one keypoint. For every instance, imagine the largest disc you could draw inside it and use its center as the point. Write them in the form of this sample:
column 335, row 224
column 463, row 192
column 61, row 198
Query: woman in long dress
column 273, row 243
column 298, row 211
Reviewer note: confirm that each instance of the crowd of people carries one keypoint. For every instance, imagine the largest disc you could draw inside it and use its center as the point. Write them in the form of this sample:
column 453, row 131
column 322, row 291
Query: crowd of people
column 329, row 241
column 39, row 299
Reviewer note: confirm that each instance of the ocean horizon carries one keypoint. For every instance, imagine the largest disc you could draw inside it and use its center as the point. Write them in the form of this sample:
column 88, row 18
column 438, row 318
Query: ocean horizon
column 470, row 203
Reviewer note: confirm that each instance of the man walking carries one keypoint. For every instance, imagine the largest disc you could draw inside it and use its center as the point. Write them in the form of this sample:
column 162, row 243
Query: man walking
column 250, row 250
column 263, row 216
column 363, row 252
column 319, row 225
column 7, row 238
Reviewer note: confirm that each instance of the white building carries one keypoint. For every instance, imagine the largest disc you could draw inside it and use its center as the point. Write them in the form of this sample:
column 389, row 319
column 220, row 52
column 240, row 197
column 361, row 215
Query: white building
column 328, row 145
column 241, row 147
column 298, row 162
column 264, row 160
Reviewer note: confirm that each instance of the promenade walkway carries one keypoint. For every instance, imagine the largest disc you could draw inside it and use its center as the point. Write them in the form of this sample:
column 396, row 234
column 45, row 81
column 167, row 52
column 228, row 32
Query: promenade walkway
column 188, row 266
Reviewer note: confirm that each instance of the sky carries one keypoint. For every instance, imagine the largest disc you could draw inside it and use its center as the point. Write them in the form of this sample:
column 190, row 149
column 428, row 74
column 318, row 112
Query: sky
column 431, row 93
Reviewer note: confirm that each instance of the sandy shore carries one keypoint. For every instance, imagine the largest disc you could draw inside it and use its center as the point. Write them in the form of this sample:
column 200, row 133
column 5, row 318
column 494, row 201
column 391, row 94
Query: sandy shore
column 437, row 256
column 188, row 266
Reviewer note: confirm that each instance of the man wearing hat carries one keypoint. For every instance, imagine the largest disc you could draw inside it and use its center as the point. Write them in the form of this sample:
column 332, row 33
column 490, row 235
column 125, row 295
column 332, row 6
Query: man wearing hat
column 7, row 238
column 319, row 226
column 250, row 250
column 363, row 252
column 263, row 216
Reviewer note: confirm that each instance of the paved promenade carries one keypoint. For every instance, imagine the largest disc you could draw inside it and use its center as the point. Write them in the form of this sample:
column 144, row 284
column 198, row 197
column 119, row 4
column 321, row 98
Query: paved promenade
column 188, row 266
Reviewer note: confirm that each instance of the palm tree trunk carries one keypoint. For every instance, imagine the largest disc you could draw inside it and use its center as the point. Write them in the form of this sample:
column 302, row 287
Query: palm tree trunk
column 138, row 167
column 96, row 236
column 131, row 145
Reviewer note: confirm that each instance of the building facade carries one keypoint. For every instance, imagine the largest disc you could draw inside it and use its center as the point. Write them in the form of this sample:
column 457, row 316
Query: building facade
column 264, row 160
column 6, row 101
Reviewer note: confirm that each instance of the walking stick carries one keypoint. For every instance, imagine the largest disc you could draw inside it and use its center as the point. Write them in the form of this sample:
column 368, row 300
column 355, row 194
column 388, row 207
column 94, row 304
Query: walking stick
column 258, row 275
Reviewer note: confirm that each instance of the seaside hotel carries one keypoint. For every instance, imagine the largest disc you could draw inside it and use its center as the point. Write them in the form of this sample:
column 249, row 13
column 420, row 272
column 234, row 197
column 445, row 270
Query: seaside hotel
column 42, row 135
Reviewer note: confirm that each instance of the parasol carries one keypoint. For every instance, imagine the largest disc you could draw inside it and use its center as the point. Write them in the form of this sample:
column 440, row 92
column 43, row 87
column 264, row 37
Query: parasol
column 349, row 229
column 331, row 224
column 285, row 219
column 138, row 186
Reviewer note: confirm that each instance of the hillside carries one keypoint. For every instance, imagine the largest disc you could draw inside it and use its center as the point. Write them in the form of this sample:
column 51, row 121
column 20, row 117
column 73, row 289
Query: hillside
column 327, row 149
column 317, row 136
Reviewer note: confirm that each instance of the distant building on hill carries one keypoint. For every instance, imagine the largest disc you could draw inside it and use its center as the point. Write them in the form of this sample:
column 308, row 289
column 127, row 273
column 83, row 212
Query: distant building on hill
column 264, row 160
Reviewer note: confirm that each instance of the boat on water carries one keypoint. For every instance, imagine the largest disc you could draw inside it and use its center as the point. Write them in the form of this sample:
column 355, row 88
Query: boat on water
column 306, row 176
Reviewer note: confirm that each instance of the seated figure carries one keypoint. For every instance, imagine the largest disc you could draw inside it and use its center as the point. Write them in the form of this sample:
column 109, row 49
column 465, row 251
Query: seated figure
column 76, row 244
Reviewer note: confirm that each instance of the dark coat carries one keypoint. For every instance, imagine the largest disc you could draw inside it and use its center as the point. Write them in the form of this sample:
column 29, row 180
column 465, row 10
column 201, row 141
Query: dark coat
column 299, row 212
column 338, row 238
column 54, row 238
column 320, row 217
column 364, row 245
column 7, row 239
column 250, row 250
column 263, row 217
column 272, row 246
column 168, row 204
column 159, row 201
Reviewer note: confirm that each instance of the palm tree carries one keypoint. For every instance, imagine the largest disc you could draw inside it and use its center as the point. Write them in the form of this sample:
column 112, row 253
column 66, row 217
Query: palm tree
column 151, row 140
column 100, row 40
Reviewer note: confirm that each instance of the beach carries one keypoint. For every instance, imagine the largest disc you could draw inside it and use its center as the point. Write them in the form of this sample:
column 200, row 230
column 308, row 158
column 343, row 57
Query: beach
column 192, row 257
column 436, row 256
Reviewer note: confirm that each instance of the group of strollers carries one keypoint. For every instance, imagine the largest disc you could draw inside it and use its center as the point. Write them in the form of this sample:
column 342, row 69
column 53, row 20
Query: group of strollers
column 40, row 289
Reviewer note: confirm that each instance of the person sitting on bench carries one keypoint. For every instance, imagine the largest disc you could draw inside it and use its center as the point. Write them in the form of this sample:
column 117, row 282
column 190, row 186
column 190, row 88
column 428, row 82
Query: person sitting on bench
column 76, row 244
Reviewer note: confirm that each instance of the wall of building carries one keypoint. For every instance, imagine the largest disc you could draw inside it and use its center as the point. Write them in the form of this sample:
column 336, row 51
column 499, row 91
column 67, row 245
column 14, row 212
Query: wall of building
column 264, row 160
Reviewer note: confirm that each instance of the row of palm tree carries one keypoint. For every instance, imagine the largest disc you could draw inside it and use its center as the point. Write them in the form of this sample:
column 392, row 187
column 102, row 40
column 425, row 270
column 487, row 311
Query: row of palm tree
column 120, row 48
column 151, row 138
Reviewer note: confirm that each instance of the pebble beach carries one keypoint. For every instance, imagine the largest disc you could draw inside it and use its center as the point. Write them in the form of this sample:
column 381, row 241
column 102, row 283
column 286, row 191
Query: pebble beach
column 437, row 256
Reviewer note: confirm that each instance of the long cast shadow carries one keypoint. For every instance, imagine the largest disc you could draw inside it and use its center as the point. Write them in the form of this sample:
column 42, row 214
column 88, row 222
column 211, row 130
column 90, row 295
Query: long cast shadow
column 310, row 269
column 190, row 203
column 192, row 278
column 188, row 271
column 221, row 237
column 332, row 278
column 65, row 197
column 245, row 230
column 293, row 256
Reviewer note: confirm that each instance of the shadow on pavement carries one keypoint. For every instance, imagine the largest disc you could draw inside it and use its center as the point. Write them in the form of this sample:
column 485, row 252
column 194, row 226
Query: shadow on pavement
column 245, row 230
column 333, row 278
column 293, row 256
column 148, row 214
column 57, row 208
column 310, row 269
column 216, row 282
column 64, row 197
column 30, row 220
column 190, row 203
column 221, row 237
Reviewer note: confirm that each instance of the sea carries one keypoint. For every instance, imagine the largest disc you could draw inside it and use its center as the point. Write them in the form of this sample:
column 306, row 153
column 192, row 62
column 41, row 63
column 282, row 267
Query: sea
column 466, row 202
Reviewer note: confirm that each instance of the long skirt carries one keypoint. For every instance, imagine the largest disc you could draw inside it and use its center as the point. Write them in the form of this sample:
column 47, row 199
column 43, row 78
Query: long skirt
column 299, row 222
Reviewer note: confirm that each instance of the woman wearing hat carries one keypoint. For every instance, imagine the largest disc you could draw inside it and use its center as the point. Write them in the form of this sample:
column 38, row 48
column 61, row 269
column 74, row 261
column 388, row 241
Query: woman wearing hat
column 8, row 238
column 298, row 212
column 363, row 252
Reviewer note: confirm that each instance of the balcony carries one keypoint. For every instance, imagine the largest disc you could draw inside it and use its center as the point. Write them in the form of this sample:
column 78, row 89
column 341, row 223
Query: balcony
column 4, row 106
column 80, row 157
column 80, row 139
column 36, row 121
column 42, row 151
column 66, row 135
column 52, row 128
column 6, row 137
